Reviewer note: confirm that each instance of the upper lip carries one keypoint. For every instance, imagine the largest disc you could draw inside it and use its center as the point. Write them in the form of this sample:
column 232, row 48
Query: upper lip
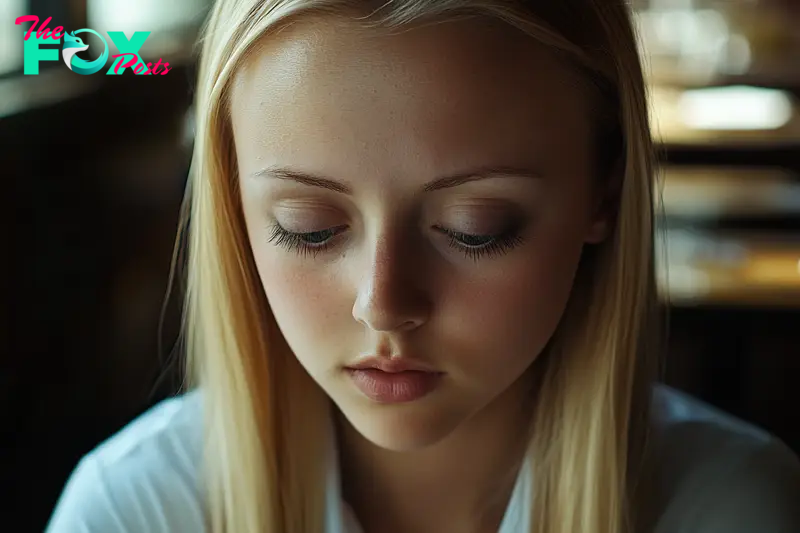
column 393, row 365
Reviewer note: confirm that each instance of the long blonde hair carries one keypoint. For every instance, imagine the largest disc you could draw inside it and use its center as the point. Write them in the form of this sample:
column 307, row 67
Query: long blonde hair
column 266, row 422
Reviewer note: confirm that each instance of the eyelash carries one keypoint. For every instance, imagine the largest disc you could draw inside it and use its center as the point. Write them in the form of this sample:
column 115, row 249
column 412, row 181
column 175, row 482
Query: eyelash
column 294, row 241
column 497, row 246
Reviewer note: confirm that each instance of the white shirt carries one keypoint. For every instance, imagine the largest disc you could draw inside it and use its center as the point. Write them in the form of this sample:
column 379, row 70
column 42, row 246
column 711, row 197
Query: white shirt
column 719, row 475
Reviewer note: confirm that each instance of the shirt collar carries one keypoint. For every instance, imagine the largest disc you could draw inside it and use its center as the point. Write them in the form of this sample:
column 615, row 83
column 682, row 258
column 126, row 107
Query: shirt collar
column 339, row 517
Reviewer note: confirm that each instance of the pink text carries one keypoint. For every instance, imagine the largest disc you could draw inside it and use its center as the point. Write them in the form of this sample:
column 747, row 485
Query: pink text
column 43, row 32
column 133, row 58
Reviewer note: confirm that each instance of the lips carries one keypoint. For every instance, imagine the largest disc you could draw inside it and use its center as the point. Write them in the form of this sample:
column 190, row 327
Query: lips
column 393, row 380
column 391, row 366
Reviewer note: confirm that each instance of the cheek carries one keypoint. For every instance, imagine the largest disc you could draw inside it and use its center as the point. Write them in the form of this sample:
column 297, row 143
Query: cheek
column 304, row 302
column 307, row 305
column 506, row 319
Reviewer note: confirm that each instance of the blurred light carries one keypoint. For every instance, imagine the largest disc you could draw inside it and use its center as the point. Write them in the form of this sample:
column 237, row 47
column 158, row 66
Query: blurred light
column 143, row 15
column 735, row 108
column 696, row 43
column 11, row 36
column 740, row 56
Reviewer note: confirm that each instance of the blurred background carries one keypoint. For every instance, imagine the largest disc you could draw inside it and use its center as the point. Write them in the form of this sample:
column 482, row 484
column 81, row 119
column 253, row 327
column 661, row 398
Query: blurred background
column 94, row 169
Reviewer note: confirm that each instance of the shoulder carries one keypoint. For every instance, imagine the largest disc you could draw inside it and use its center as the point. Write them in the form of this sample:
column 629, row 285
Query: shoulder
column 144, row 478
column 718, row 474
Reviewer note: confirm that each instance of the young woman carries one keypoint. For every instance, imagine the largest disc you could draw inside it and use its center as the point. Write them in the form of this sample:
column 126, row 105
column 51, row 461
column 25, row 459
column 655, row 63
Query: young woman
column 421, row 292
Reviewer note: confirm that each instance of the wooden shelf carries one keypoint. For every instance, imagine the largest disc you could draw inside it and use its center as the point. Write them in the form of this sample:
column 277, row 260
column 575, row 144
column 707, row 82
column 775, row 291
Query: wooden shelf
column 714, row 193
column 669, row 127
column 715, row 267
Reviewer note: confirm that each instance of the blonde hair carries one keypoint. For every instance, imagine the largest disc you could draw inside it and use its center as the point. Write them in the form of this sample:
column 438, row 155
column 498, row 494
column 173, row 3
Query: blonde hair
column 266, row 422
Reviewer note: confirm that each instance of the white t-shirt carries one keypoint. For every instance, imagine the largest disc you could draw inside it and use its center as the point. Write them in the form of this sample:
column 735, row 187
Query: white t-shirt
column 718, row 475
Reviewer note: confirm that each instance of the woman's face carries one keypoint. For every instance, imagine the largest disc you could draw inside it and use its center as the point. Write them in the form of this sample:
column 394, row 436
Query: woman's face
column 423, row 196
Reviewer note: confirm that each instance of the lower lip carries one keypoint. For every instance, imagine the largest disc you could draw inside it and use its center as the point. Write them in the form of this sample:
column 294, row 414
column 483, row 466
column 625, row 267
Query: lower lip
column 394, row 387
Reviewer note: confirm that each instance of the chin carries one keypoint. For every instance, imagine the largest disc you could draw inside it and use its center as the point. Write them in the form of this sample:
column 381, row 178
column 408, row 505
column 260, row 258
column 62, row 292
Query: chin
column 402, row 427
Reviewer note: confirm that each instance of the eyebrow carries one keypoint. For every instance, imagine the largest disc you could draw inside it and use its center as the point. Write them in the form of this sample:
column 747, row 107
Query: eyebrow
column 445, row 182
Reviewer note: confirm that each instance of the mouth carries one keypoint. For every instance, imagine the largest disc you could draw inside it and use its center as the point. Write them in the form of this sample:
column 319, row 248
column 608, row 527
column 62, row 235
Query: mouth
column 391, row 381
column 391, row 366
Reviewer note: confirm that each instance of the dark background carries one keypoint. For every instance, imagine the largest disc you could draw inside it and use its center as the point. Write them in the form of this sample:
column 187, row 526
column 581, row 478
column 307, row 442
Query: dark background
column 93, row 170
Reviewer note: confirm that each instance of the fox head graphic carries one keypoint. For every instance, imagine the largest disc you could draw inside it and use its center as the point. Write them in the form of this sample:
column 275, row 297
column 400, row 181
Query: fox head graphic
column 72, row 45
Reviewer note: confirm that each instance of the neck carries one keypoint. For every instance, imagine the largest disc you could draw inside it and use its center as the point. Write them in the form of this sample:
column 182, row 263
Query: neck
column 462, row 483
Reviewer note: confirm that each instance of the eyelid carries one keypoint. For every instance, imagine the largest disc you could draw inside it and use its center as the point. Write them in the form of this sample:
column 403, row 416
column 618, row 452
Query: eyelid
column 316, row 215
column 488, row 207
column 306, row 204
column 487, row 221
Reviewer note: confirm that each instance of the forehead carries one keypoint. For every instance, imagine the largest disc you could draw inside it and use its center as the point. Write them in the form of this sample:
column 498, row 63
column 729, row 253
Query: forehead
column 341, row 98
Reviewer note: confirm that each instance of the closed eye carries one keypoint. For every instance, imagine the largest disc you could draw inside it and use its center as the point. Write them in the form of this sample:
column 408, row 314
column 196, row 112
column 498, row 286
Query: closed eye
column 472, row 246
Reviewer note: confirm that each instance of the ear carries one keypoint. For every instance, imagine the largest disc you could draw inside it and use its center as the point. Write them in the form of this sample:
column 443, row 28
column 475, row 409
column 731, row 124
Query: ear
column 607, row 205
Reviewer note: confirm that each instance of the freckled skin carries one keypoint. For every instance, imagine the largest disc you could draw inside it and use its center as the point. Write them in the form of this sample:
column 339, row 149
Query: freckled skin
column 386, row 114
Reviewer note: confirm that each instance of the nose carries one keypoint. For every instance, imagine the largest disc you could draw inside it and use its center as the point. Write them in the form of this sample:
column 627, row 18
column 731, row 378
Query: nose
column 389, row 296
